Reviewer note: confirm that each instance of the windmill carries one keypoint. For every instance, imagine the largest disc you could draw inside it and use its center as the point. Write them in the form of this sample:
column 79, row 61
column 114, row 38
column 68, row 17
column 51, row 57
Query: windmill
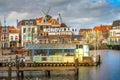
column 46, row 16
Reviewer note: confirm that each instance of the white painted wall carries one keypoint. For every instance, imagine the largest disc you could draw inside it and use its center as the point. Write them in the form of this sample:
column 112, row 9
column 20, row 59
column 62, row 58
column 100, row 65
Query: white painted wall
column 22, row 34
column 14, row 35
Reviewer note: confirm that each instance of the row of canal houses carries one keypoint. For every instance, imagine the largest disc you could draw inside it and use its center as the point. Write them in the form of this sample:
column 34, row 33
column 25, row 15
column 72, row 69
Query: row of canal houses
column 33, row 31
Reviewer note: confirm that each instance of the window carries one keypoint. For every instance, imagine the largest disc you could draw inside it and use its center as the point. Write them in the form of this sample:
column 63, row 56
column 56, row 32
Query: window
column 24, row 37
column 114, row 33
column 80, row 46
column 77, row 46
column 31, row 23
column 33, row 30
column 5, row 37
column 24, row 30
column 44, row 20
column 29, row 29
column 11, row 38
column 16, row 38
column 41, row 27
column 73, row 30
column 64, row 29
column 4, row 30
column 29, row 37
column 26, row 23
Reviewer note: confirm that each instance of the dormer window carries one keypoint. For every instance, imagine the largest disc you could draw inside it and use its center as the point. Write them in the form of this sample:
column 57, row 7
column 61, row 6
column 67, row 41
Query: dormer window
column 31, row 23
column 44, row 20
column 26, row 23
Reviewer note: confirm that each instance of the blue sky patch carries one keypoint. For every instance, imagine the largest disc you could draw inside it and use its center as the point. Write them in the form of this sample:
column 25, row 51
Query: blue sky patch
column 114, row 3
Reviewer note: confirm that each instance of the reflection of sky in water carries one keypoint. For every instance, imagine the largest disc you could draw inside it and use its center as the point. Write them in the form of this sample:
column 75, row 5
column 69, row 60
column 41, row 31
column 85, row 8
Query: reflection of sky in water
column 108, row 70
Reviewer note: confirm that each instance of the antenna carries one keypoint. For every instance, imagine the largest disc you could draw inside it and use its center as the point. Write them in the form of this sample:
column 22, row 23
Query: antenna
column 4, row 21
column 17, row 22
column 60, row 18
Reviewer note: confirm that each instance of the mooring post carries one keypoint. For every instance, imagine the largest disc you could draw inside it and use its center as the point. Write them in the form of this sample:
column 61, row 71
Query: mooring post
column 76, row 69
column 47, row 73
column 22, row 75
column 9, row 72
column 99, row 59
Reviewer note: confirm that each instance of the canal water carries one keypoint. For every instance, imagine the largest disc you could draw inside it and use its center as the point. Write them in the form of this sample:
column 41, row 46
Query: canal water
column 108, row 70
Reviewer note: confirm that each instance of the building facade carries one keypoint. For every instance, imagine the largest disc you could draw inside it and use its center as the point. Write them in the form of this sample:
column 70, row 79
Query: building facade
column 13, row 37
column 102, row 33
column 86, row 35
column 52, row 37
column 28, row 31
column 114, row 37
column 4, row 34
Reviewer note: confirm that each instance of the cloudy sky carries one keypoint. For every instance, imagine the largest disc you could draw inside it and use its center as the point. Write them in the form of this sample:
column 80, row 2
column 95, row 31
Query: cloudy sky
column 75, row 13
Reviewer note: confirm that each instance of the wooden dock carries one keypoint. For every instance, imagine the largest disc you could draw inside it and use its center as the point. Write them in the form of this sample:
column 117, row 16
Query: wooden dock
column 37, row 68
column 47, row 67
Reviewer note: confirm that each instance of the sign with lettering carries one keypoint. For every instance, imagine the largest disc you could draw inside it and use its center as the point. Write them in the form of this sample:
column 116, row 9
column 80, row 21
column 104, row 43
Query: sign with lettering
column 60, row 30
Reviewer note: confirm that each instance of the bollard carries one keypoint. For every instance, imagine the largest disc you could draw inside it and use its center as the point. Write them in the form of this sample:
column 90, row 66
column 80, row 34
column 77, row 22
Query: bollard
column 76, row 69
column 9, row 72
column 47, row 73
column 22, row 75
column 76, row 73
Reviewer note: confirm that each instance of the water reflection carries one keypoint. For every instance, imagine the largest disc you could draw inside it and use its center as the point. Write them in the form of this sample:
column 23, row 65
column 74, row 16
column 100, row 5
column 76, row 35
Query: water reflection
column 108, row 70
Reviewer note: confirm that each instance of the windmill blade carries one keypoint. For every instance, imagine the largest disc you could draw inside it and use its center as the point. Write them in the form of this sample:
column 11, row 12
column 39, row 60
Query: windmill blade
column 44, row 12
column 47, row 11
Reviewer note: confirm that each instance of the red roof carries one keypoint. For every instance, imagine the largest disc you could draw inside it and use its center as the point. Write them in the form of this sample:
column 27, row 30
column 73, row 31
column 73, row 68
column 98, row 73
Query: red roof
column 52, row 21
column 102, row 27
column 39, row 19
column 12, row 28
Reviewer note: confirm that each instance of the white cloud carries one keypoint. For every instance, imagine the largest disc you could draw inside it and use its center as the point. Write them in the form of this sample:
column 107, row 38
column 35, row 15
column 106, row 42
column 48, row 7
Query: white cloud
column 81, row 20
column 83, row 12
column 15, row 15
